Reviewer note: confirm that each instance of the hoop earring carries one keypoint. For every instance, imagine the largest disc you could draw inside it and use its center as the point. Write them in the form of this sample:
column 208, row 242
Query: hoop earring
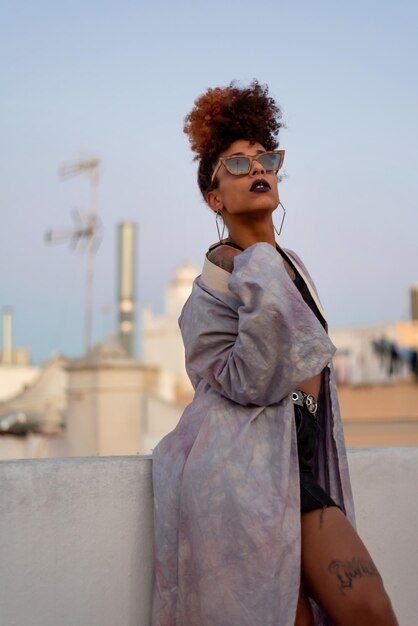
column 281, row 224
column 217, row 218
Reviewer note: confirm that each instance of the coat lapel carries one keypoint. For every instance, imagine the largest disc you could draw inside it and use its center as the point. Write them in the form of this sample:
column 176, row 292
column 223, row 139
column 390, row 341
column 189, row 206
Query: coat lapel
column 217, row 278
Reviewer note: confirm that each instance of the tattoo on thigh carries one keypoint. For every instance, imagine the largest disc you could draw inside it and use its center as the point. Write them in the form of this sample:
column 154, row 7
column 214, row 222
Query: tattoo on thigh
column 348, row 571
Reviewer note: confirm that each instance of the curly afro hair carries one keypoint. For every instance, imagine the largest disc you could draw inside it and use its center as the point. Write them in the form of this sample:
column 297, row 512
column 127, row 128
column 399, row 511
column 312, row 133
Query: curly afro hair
column 224, row 115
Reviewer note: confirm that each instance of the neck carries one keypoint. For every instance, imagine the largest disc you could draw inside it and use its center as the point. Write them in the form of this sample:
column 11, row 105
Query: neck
column 249, row 229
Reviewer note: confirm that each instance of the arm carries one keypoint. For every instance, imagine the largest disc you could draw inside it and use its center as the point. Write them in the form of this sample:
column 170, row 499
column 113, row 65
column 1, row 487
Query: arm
column 268, row 347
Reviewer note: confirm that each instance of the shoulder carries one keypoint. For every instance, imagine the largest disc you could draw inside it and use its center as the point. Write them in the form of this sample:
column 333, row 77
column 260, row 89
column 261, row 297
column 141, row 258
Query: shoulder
column 223, row 256
column 292, row 254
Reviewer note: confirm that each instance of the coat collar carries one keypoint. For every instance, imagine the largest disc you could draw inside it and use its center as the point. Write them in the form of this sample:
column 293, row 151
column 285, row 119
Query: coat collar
column 217, row 278
column 307, row 280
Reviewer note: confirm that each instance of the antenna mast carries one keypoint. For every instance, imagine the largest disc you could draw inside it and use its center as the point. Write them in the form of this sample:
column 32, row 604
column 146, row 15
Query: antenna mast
column 86, row 229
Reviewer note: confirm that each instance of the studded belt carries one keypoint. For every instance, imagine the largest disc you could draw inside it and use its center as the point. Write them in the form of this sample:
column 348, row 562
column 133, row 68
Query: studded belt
column 306, row 400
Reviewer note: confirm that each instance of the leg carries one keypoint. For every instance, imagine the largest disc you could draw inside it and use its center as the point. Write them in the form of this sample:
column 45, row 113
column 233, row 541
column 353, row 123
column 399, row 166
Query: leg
column 339, row 573
column 304, row 615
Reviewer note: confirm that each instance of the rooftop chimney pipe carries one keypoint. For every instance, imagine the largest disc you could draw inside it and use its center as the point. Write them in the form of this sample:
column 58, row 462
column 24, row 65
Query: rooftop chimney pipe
column 126, row 285
column 414, row 303
column 7, row 352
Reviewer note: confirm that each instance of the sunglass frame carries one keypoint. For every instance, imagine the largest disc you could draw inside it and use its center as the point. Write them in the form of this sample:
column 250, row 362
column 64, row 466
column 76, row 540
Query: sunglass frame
column 224, row 161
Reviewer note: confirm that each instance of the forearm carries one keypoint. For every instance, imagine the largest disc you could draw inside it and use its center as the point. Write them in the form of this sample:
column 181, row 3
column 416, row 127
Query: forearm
column 312, row 385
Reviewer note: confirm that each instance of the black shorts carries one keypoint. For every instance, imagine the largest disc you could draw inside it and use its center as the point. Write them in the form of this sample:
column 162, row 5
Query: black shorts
column 312, row 495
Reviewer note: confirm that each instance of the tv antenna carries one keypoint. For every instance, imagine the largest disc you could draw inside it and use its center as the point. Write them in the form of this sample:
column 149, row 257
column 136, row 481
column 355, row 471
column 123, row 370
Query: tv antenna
column 85, row 229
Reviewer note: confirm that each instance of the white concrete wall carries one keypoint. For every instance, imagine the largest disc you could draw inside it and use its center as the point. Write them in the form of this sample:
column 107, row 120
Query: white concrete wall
column 76, row 536
column 76, row 542
column 385, row 486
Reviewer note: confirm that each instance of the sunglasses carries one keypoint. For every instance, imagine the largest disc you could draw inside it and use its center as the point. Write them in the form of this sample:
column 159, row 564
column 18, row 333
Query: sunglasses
column 240, row 164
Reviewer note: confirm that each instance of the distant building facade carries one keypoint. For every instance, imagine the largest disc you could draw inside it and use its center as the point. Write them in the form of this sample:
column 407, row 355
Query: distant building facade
column 32, row 419
column 376, row 353
column 16, row 371
column 106, row 390
column 377, row 374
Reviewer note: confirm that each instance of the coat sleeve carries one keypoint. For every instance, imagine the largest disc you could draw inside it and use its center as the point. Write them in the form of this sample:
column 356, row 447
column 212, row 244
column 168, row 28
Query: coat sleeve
column 260, row 352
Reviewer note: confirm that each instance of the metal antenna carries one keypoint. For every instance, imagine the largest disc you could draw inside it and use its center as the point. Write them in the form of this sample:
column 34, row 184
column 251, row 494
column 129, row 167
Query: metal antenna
column 85, row 229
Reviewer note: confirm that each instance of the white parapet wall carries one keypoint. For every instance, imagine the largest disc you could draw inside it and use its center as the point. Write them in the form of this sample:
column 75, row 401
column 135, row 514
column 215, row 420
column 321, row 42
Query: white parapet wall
column 385, row 487
column 76, row 540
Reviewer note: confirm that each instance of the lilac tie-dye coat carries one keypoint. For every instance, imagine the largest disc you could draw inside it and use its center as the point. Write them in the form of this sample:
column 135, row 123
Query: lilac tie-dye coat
column 226, row 479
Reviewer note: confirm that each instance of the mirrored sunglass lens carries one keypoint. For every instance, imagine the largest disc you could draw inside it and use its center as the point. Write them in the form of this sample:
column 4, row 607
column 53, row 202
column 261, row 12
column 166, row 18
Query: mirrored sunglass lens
column 238, row 165
column 269, row 161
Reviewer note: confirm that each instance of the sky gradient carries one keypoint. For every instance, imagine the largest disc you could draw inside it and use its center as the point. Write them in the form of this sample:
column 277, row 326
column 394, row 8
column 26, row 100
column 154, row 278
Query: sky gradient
column 116, row 80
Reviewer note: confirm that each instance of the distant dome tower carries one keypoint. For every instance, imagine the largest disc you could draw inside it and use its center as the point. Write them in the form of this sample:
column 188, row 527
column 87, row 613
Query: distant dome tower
column 179, row 289
column 161, row 339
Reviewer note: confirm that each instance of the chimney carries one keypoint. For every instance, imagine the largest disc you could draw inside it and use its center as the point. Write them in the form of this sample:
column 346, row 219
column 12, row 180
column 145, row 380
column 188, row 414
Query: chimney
column 126, row 285
column 414, row 303
column 7, row 352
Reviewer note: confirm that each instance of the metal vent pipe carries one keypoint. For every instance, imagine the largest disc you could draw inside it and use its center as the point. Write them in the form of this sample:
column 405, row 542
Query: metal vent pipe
column 7, row 351
column 414, row 303
column 126, row 285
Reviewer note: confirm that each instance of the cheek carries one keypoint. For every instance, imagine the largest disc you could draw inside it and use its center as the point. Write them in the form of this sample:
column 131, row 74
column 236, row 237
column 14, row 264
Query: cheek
column 275, row 188
column 231, row 197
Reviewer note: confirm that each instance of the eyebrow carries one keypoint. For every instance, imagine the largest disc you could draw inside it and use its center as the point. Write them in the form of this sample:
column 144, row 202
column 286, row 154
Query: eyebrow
column 243, row 153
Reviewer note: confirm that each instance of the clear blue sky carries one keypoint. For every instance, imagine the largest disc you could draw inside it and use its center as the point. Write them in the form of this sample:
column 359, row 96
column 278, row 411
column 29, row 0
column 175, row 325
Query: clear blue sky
column 115, row 79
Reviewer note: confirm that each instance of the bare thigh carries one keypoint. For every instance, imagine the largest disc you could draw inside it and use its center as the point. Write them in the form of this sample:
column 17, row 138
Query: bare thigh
column 304, row 615
column 339, row 573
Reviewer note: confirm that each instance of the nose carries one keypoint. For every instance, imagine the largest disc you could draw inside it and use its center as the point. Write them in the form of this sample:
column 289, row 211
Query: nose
column 256, row 168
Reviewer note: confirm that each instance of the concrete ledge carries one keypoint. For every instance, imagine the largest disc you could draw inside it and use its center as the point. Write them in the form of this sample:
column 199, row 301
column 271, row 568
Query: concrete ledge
column 76, row 543
column 385, row 487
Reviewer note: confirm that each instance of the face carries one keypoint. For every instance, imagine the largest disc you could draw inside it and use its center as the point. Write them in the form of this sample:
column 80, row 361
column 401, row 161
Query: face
column 255, row 191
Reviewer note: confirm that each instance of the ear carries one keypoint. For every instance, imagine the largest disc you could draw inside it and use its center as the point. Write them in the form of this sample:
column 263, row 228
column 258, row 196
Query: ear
column 214, row 200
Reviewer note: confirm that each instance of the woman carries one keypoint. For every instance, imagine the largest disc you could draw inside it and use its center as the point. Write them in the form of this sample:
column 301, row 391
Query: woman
column 253, row 506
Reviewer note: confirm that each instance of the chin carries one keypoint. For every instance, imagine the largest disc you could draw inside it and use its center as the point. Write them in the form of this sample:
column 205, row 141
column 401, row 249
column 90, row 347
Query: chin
column 266, row 204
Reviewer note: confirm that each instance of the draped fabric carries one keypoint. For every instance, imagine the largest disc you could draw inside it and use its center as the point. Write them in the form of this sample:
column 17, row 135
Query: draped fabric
column 226, row 479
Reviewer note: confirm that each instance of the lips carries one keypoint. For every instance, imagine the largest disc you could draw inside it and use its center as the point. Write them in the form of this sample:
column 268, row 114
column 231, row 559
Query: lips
column 260, row 186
